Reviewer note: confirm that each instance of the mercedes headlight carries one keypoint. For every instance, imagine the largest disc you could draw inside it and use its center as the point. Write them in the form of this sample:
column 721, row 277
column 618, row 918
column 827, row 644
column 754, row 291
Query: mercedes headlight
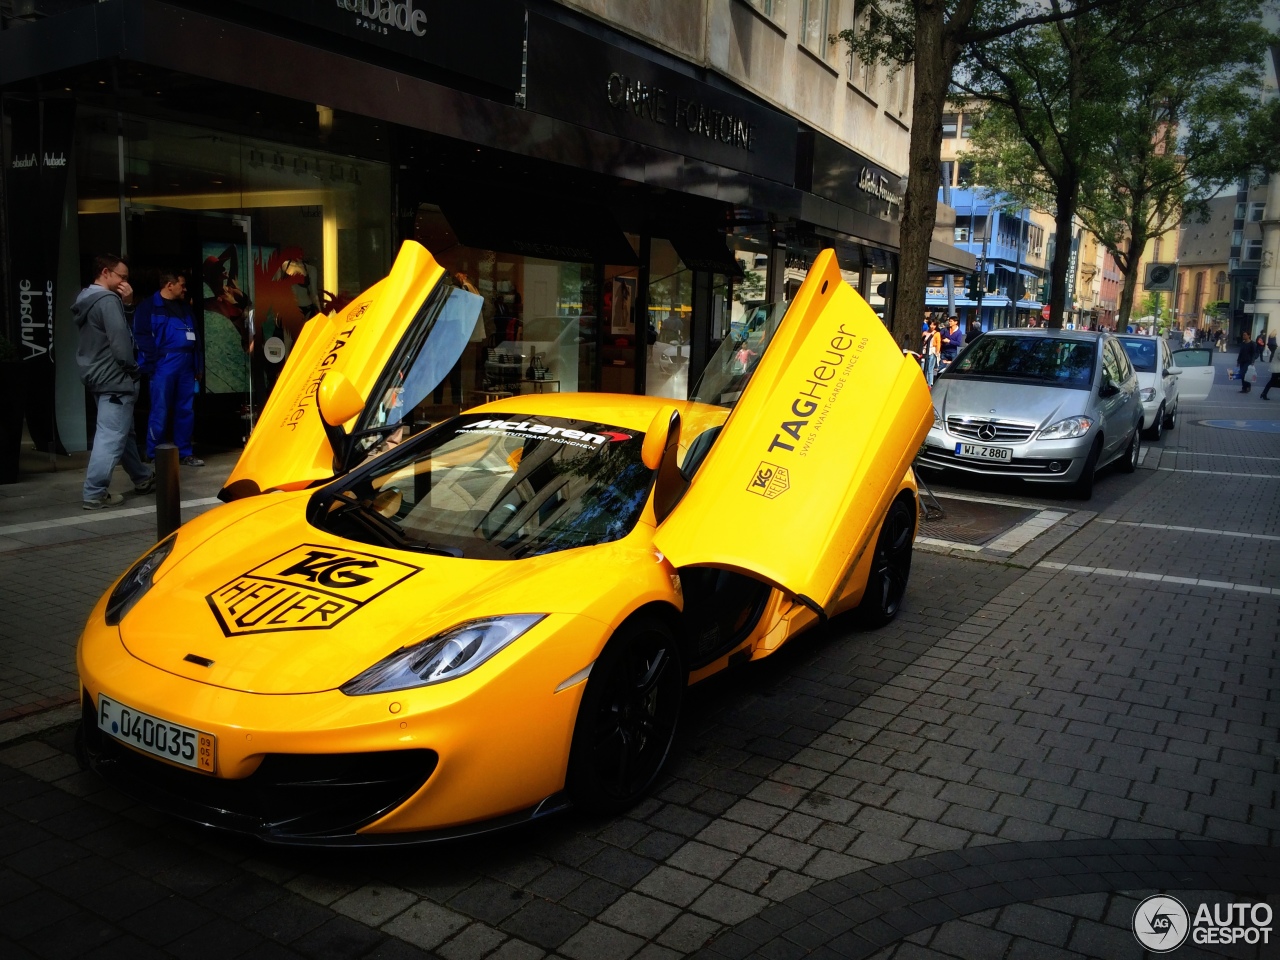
column 137, row 581
column 1147, row 394
column 447, row 655
column 937, row 418
column 1067, row 429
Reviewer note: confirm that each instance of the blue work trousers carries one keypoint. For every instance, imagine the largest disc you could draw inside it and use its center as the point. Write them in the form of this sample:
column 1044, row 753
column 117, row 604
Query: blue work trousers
column 173, row 391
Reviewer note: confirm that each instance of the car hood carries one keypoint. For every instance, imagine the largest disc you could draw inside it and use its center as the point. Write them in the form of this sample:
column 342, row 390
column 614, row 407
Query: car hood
column 302, row 611
column 1002, row 400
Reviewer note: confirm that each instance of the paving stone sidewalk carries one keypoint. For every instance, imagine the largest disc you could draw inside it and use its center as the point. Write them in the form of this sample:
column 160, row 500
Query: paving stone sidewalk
column 1004, row 771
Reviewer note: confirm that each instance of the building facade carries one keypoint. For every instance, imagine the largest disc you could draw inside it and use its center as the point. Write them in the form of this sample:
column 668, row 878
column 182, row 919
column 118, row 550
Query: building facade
column 629, row 174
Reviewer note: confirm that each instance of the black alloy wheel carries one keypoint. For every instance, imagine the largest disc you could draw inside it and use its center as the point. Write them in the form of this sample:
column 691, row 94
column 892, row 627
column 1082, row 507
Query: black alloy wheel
column 1156, row 430
column 627, row 720
column 1132, row 452
column 890, row 565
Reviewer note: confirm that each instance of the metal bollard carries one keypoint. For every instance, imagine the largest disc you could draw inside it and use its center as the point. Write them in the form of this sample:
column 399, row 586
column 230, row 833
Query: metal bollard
column 168, row 494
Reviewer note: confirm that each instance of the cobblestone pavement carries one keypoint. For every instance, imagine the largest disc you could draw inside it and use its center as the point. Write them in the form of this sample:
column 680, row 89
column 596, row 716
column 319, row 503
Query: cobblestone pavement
column 1032, row 748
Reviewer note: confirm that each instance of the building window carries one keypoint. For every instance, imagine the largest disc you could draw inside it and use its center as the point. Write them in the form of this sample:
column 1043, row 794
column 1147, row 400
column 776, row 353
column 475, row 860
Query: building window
column 966, row 173
column 1253, row 250
column 813, row 25
column 1256, row 211
column 1240, row 211
column 770, row 8
column 1237, row 237
column 967, row 120
column 861, row 73
column 948, row 126
column 962, row 234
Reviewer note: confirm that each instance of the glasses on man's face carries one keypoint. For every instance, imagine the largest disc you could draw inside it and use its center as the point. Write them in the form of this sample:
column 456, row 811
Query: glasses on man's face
column 122, row 276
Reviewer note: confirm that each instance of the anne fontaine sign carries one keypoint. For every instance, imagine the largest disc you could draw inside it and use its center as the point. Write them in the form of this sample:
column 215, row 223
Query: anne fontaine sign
column 658, row 105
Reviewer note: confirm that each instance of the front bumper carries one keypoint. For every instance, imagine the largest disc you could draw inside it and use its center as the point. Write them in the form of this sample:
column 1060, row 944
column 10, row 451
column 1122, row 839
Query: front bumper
column 1040, row 461
column 325, row 768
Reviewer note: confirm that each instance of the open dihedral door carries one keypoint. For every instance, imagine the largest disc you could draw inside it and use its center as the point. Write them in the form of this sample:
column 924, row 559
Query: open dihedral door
column 289, row 447
column 813, row 452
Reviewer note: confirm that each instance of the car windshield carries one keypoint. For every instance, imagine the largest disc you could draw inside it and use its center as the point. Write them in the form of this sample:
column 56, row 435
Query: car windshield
column 497, row 489
column 735, row 360
column 1053, row 361
column 1142, row 353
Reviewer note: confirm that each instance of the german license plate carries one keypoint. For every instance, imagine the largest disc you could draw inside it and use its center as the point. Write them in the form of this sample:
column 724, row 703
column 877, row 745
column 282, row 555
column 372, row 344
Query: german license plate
column 977, row 451
column 160, row 738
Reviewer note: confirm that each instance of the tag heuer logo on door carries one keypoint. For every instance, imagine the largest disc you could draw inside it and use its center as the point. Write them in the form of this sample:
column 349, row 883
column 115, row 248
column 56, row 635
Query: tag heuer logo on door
column 770, row 481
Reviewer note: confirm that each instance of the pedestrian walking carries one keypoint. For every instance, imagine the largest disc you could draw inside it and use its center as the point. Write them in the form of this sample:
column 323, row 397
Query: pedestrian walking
column 1273, row 382
column 110, row 373
column 932, row 352
column 952, row 339
column 1271, row 347
column 1244, row 359
column 167, row 319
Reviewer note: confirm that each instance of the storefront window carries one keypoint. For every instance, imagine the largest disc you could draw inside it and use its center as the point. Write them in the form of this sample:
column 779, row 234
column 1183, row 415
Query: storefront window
column 269, row 234
column 670, row 313
column 537, row 330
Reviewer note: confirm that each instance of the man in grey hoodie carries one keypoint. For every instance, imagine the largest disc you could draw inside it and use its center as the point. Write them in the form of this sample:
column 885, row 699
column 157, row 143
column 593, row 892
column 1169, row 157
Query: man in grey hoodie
column 110, row 373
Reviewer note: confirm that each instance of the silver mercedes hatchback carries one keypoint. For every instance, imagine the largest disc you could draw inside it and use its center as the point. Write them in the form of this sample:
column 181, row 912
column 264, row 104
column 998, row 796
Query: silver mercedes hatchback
column 1047, row 406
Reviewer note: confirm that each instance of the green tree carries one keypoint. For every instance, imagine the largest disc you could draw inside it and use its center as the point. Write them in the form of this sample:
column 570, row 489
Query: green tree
column 1129, row 116
column 932, row 35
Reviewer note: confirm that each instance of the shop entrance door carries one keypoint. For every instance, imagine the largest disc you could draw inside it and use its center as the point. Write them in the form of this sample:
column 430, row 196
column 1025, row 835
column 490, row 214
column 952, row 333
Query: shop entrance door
column 214, row 249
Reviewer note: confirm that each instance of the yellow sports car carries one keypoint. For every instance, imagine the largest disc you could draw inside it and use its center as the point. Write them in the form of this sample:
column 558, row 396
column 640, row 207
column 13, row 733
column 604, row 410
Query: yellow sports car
column 387, row 636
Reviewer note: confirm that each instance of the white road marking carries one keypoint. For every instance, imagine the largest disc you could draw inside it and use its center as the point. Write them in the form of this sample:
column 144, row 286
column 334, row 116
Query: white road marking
column 107, row 513
column 1157, row 578
column 1232, row 456
column 1221, row 473
column 1178, row 529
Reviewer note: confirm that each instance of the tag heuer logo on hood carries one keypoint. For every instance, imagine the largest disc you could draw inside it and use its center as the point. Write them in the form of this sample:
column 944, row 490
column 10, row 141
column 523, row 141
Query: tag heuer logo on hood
column 308, row 588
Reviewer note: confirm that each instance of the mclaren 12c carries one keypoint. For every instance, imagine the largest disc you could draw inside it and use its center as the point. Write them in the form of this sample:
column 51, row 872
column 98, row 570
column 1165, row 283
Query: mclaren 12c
column 394, row 631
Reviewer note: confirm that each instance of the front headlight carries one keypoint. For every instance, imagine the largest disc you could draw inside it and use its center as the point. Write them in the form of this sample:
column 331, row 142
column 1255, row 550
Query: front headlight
column 1147, row 394
column 1067, row 429
column 447, row 655
column 937, row 418
column 134, row 584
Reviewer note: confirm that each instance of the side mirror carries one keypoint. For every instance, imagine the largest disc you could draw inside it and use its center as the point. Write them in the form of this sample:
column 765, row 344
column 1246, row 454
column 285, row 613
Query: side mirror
column 659, row 452
column 656, row 437
column 338, row 399
column 1108, row 389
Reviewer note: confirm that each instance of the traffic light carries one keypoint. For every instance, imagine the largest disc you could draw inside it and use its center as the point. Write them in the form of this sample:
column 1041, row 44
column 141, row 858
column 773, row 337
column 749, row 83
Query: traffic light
column 975, row 286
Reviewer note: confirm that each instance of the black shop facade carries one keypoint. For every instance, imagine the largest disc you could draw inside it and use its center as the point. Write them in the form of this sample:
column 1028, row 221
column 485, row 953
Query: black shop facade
column 618, row 209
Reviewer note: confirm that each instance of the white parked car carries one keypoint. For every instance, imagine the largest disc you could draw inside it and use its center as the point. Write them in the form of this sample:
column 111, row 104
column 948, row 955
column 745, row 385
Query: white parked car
column 1166, row 378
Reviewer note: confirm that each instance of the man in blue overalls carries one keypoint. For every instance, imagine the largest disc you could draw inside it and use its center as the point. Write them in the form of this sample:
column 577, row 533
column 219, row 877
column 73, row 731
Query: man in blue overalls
column 178, row 363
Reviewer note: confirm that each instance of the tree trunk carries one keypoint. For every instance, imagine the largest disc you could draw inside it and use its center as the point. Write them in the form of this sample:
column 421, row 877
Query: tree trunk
column 1068, row 187
column 933, row 64
column 1130, row 274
